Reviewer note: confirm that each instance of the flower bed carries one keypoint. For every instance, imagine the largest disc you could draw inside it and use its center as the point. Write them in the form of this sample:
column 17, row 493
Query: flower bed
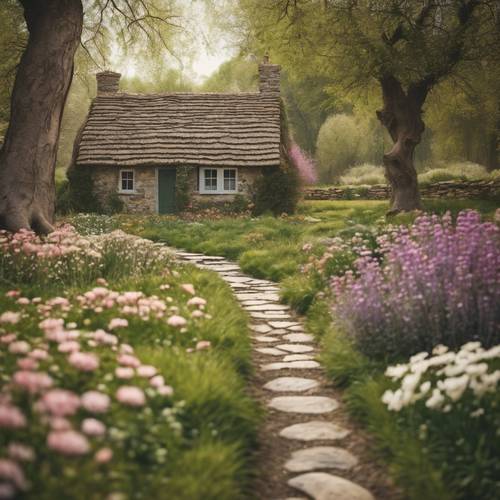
column 100, row 390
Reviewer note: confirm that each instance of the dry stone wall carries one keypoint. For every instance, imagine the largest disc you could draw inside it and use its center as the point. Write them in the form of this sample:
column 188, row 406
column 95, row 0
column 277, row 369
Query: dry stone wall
column 449, row 189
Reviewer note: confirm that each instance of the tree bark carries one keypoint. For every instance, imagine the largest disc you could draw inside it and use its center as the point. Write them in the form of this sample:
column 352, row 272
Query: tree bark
column 402, row 117
column 28, row 155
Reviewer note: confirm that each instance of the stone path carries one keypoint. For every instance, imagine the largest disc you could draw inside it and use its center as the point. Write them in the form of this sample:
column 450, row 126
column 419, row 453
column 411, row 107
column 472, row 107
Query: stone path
column 307, row 449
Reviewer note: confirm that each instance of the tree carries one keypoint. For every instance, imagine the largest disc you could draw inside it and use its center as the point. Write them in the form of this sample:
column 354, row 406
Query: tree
column 42, row 82
column 405, row 47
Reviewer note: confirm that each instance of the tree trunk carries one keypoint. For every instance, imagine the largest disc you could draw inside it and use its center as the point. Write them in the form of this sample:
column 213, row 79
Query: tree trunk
column 402, row 117
column 28, row 155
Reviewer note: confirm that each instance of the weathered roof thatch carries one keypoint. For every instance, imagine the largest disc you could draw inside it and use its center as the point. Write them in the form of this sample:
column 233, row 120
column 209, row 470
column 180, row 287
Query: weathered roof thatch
column 188, row 129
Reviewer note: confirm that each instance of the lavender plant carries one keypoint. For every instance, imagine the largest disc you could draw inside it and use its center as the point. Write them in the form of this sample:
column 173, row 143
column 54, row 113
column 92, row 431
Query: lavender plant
column 437, row 283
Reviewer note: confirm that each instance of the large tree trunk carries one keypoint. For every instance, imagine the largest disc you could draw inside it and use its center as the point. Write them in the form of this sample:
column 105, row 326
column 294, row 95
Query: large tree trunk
column 28, row 156
column 402, row 117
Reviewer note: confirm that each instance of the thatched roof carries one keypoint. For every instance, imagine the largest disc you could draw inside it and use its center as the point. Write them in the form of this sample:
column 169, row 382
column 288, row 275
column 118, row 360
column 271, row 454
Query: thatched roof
column 187, row 129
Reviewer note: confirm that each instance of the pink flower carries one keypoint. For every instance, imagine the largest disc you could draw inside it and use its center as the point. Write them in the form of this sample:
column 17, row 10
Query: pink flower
column 60, row 402
column 124, row 372
column 32, row 381
column 27, row 363
column 68, row 442
column 11, row 417
column 51, row 325
column 101, row 281
column 23, row 301
column 21, row 452
column 203, row 344
column 13, row 293
column 93, row 427
column 197, row 314
column 147, row 371
column 7, row 490
column 19, row 347
column 165, row 390
column 188, row 287
column 126, row 349
column 39, row 354
column 131, row 396
column 95, row 402
column 84, row 361
column 128, row 360
column 157, row 381
column 104, row 455
column 69, row 346
column 176, row 321
column 59, row 424
column 196, row 301
column 117, row 323
column 10, row 317
column 8, row 338
column 11, row 472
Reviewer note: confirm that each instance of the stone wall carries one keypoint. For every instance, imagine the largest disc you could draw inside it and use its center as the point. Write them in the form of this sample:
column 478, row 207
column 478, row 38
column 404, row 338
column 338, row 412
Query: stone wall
column 448, row 189
column 144, row 198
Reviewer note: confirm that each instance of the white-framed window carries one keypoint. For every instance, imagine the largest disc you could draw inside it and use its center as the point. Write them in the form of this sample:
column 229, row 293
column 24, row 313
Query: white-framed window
column 126, row 181
column 218, row 180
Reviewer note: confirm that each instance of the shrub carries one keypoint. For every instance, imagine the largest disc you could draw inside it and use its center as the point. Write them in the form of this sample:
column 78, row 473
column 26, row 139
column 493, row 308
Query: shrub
column 454, row 172
column 365, row 174
column 182, row 198
column 436, row 283
column 81, row 190
column 277, row 191
column 304, row 164
column 114, row 204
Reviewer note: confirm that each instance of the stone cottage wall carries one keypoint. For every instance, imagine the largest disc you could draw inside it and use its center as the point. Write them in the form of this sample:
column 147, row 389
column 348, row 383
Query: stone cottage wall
column 144, row 198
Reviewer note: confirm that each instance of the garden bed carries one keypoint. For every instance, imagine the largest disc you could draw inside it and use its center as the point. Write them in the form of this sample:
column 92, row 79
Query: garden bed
column 123, row 373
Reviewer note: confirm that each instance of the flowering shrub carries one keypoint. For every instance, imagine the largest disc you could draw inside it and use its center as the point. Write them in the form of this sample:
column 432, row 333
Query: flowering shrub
column 66, row 257
column 304, row 164
column 437, row 283
column 451, row 398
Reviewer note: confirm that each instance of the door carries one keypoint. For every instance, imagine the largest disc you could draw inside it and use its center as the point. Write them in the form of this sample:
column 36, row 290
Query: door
column 166, row 191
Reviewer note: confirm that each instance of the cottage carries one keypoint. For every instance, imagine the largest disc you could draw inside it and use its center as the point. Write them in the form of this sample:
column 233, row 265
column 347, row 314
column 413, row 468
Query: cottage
column 136, row 145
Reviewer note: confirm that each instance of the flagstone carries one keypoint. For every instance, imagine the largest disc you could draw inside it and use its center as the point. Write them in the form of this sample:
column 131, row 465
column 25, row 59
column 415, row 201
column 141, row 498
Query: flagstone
column 291, row 384
column 299, row 337
column 297, row 357
column 283, row 324
column 323, row 486
column 270, row 350
column 304, row 404
column 315, row 430
column 296, row 348
column 260, row 328
column 291, row 365
column 321, row 457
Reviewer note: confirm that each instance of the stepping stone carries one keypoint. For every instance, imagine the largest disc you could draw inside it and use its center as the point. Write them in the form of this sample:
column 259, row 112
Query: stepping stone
column 256, row 295
column 296, row 329
column 291, row 365
column 323, row 486
column 299, row 337
column 278, row 331
column 321, row 457
column 283, row 324
column 296, row 348
column 304, row 404
column 222, row 267
column 315, row 430
column 265, row 338
column 253, row 302
column 291, row 384
column 268, row 307
column 270, row 350
column 297, row 357
column 272, row 316
column 260, row 328
column 237, row 279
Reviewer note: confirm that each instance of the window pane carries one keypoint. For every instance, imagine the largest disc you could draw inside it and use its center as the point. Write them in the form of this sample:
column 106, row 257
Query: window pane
column 229, row 180
column 127, row 181
column 210, row 179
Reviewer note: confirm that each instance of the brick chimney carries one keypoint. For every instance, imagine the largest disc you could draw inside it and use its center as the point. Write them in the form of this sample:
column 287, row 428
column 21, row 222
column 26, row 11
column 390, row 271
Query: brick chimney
column 107, row 82
column 269, row 77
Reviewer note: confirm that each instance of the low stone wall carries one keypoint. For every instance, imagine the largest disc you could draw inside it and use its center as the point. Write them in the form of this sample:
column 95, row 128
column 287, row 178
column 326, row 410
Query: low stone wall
column 449, row 189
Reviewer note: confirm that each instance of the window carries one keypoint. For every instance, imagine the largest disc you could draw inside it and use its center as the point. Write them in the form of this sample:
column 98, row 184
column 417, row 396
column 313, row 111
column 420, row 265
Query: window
column 218, row 180
column 229, row 179
column 126, row 181
column 210, row 178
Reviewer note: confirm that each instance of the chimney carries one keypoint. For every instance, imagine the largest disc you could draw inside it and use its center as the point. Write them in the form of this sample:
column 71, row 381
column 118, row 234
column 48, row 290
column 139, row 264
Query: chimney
column 269, row 77
column 107, row 82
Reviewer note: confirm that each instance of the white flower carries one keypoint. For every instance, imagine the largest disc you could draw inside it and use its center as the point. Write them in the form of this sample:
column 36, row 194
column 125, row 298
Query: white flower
column 393, row 400
column 396, row 372
column 419, row 357
column 436, row 400
column 439, row 349
column 454, row 387
column 475, row 370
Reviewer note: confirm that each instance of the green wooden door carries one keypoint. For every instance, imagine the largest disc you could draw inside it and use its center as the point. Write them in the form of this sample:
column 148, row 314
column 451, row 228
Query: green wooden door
column 166, row 190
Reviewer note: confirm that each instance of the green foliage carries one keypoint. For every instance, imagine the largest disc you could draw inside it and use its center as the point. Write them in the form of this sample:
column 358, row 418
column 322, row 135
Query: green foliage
column 236, row 75
column 81, row 190
column 365, row 174
column 277, row 191
column 182, row 197
column 113, row 204
column 454, row 172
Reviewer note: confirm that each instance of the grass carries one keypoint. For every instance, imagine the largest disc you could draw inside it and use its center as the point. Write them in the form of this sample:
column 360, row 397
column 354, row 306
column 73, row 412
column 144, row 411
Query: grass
column 212, row 457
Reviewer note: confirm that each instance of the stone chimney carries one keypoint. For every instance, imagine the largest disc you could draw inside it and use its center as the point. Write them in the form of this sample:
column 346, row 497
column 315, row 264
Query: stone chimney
column 269, row 77
column 107, row 82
